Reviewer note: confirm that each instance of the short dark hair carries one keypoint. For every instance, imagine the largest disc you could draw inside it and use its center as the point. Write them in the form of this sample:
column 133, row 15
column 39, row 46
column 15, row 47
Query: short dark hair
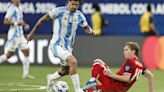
column 149, row 7
column 133, row 46
column 96, row 7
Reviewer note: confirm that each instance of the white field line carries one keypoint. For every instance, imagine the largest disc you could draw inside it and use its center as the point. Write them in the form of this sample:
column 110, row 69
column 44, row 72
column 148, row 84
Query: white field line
column 23, row 87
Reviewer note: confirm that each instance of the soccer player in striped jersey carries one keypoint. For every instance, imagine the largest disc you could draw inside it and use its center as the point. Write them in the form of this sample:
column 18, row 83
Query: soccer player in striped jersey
column 16, row 39
column 65, row 22
column 129, row 73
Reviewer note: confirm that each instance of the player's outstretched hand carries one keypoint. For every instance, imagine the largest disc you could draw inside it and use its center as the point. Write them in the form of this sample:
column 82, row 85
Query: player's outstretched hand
column 21, row 23
column 93, row 33
column 29, row 37
column 108, row 72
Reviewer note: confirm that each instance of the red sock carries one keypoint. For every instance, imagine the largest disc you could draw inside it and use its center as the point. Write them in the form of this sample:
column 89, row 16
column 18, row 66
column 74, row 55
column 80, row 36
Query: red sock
column 98, row 87
column 96, row 69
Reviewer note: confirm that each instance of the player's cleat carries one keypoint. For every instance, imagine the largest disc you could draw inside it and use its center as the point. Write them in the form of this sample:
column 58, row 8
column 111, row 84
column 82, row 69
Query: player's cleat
column 49, row 83
column 28, row 77
column 91, row 83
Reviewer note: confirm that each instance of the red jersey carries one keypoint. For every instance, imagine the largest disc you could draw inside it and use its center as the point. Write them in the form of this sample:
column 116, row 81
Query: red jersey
column 133, row 66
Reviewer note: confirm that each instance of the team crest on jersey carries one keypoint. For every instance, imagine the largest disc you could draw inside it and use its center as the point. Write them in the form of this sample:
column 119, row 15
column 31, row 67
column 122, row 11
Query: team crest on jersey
column 127, row 68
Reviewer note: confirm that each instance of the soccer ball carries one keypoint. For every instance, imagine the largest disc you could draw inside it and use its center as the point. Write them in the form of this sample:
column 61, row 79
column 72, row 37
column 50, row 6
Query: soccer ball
column 60, row 86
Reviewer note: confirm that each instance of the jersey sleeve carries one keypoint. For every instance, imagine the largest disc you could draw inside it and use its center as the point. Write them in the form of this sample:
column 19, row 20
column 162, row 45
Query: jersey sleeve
column 54, row 13
column 9, row 13
column 144, row 68
column 82, row 20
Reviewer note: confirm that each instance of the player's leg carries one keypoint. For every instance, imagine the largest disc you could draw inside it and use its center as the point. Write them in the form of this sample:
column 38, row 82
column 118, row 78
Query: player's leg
column 6, row 56
column 71, row 60
column 58, row 52
column 23, row 46
column 26, row 64
column 10, row 48
column 67, row 58
column 65, row 70
column 61, row 72
column 58, row 74
column 97, row 72
column 3, row 58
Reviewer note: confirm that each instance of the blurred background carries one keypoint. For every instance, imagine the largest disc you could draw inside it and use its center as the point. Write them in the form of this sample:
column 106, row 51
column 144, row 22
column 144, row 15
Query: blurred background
column 119, row 22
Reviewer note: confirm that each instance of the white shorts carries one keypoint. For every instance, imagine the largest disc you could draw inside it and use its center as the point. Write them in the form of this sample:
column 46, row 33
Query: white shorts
column 60, row 52
column 16, row 43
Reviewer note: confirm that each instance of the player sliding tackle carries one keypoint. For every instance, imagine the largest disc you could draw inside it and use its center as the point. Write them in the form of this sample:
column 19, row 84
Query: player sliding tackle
column 66, row 20
column 130, row 71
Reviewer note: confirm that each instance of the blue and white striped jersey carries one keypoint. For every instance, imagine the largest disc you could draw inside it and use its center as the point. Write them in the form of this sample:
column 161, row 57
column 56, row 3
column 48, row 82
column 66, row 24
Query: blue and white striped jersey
column 65, row 25
column 15, row 15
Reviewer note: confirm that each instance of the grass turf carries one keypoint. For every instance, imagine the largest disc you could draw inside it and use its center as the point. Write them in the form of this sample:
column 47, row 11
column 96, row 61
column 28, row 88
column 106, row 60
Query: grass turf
column 11, row 79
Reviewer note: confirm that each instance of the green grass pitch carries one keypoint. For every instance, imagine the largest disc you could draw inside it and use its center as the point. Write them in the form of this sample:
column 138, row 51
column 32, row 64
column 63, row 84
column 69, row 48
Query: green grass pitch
column 11, row 79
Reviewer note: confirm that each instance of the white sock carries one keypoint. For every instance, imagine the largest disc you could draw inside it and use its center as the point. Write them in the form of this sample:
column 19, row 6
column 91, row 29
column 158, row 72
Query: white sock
column 3, row 58
column 55, row 75
column 26, row 65
column 76, row 82
column 92, row 79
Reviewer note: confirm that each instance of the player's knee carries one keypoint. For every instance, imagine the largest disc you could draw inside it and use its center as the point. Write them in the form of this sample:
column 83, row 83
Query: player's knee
column 98, row 61
column 26, row 52
column 9, row 54
column 71, row 60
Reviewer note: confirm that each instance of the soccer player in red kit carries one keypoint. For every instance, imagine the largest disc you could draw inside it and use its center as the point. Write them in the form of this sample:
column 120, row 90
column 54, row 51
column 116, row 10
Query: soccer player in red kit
column 130, row 71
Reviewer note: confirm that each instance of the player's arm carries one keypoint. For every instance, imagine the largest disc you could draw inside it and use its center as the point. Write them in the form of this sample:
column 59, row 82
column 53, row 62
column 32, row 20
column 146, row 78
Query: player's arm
column 7, row 19
column 88, row 29
column 150, row 77
column 125, row 77
column 25, row 25
column 8, row 22
column 44, row 18
column 84, row 24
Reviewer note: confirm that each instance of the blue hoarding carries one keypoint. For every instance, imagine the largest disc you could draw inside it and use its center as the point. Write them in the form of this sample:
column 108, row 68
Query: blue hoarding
column 122, row 15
